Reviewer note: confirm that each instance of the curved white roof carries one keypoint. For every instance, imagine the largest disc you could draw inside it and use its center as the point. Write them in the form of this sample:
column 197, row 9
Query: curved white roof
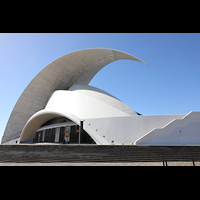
column 78, row 67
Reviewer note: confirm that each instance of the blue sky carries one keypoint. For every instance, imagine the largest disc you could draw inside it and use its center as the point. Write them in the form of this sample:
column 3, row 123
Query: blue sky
column 170, row 85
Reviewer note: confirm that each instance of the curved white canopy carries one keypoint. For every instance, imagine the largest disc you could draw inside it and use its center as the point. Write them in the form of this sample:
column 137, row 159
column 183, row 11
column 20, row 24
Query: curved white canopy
column 78, row 67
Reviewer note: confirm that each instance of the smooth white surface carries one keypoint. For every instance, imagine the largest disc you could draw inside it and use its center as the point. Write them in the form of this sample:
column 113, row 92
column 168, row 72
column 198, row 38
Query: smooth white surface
column 125, row 130
column 185, row 130
column 88, row 102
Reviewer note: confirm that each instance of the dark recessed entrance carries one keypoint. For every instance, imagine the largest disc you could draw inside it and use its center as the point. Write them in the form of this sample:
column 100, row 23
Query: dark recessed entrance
column 63, row 134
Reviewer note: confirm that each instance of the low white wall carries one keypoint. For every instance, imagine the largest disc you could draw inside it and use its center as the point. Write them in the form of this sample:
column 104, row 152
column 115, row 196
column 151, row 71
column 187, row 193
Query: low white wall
column 125, row 130
column 184, row 131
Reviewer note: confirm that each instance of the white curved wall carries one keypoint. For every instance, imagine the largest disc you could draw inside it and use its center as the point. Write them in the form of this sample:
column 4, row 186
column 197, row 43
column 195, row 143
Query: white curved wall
column 38, row 119
column 78, row 103
column 88, row 102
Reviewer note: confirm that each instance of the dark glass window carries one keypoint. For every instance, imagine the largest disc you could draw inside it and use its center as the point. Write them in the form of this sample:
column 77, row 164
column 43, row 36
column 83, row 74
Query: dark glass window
column 62, row 133
column 73, row 139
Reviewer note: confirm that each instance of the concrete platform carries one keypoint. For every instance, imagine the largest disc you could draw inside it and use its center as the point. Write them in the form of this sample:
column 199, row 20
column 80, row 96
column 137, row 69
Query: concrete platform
column 101, row 164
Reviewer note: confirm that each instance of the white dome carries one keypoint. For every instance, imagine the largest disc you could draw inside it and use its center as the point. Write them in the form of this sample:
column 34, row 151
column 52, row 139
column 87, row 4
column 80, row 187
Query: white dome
column 78, row 103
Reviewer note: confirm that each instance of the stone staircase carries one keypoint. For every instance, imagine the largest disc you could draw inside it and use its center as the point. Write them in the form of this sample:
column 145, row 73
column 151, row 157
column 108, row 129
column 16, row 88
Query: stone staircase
column 25, row 153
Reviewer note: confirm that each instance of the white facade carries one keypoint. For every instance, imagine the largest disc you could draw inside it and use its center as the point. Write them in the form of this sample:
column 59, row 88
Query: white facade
column 61, row 91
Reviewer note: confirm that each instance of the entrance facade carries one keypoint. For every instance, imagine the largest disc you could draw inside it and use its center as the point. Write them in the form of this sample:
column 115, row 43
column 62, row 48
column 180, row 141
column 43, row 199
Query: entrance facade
column 63, row 134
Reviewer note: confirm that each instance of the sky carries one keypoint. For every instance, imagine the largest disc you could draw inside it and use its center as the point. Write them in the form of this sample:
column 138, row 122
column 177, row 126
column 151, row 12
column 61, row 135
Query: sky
column 169, row 85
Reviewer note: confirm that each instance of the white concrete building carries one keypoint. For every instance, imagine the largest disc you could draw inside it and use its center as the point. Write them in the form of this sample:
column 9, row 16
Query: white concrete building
column 58, row 106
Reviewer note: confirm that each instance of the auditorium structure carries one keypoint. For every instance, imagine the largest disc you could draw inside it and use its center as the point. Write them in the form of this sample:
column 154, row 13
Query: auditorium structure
column 58, row 106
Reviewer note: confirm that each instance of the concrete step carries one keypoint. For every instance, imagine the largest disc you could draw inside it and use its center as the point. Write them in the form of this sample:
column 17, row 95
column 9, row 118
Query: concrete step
column 97, row 153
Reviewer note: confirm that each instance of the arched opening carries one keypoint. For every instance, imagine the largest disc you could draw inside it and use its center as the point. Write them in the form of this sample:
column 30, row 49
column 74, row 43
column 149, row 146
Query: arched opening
column 62, row 130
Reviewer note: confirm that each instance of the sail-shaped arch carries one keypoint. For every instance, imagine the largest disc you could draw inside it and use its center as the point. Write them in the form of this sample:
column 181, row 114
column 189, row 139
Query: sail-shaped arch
column 78, row 67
